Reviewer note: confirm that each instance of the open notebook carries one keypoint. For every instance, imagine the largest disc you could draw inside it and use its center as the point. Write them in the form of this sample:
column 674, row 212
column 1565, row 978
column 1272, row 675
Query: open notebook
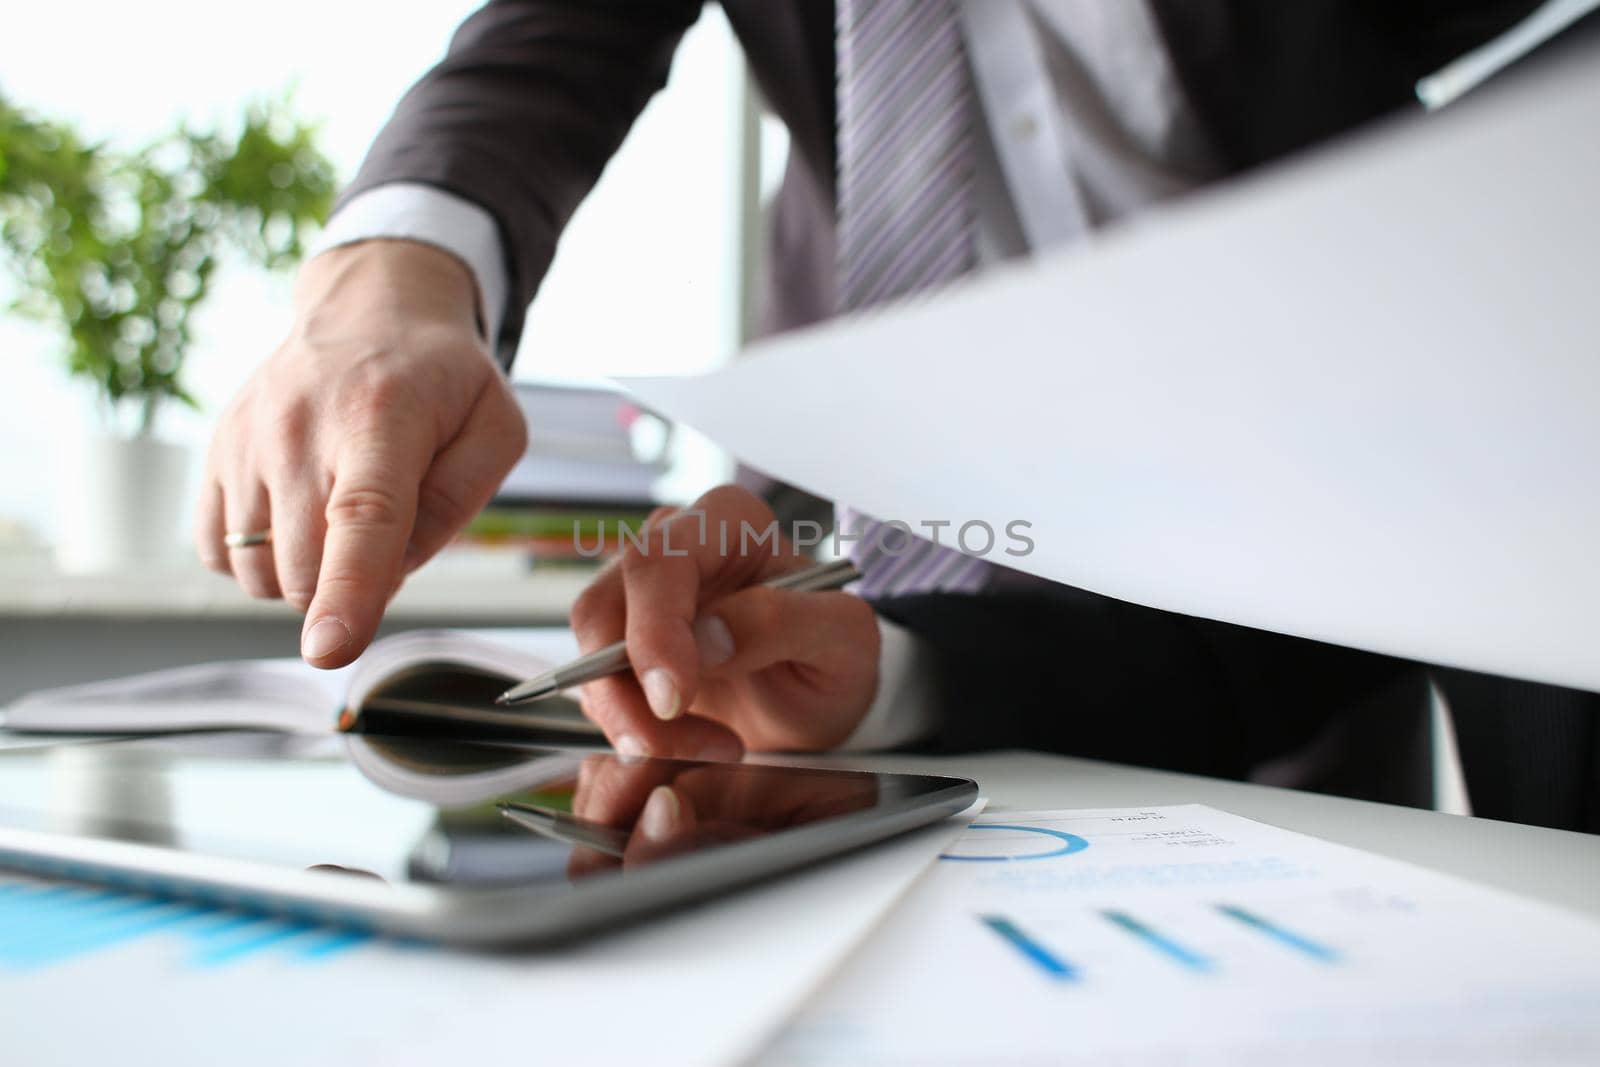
column 421, row 679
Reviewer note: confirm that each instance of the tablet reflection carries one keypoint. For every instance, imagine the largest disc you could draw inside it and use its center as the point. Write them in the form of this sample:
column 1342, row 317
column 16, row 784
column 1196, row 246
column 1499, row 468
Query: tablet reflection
column 509, row 815
column 663, row 808
column 103, row 791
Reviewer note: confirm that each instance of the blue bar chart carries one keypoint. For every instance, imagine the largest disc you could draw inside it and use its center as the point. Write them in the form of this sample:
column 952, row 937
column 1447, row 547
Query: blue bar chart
column 43, row 925
column 1280, row 933
column 1045, row 959
column 1164, row 944
column 1049, row 946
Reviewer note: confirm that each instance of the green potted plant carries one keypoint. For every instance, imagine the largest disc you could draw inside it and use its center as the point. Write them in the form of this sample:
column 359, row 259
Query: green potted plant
column 116, row 250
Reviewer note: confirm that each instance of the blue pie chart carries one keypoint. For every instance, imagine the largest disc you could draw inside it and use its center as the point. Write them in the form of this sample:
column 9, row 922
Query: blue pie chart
column 1051, row 844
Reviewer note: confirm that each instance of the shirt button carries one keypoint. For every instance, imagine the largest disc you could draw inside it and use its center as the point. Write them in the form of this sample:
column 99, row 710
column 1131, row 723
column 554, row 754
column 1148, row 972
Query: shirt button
column 1024, row 127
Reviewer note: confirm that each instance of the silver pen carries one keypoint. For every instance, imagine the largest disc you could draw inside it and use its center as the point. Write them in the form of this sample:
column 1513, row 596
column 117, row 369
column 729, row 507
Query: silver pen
column 568, row 829
column 613, row 659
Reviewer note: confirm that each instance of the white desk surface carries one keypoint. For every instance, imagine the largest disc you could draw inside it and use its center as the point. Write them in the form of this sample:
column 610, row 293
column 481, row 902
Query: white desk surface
column 1550, row 865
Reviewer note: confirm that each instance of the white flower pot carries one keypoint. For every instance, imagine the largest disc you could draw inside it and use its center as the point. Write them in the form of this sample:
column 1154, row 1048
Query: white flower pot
column 121, row 505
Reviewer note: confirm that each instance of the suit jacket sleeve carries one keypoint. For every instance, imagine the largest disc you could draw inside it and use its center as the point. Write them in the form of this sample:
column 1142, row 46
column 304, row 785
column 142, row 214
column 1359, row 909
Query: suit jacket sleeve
column 523, row 112
column 1062, row 670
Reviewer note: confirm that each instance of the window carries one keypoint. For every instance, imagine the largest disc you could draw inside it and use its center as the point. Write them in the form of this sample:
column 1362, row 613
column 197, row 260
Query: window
column 657, row 240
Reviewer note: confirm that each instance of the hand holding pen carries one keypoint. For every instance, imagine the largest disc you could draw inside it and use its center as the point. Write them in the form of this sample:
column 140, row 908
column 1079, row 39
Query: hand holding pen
column 613, row 659
column 721, row 662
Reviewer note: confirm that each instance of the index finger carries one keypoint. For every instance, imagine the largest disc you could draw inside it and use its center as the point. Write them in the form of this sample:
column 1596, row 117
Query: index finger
column 616, row 703
column 371, row 509
column 704, row 550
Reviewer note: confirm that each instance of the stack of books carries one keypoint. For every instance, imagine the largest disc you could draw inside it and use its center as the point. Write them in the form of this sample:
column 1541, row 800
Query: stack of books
column 592, row 463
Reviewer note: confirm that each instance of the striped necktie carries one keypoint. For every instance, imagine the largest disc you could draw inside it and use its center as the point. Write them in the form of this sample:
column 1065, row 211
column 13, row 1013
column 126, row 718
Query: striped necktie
column 907, row 220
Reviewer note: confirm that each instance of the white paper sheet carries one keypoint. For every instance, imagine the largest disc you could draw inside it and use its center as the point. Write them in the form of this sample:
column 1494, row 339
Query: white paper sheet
column 1354, row 398
column 705, row 987
column 1187, row 935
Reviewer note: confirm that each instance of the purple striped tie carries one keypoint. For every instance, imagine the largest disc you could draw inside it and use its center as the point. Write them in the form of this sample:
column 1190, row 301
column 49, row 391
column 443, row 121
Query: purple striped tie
column 906, row 216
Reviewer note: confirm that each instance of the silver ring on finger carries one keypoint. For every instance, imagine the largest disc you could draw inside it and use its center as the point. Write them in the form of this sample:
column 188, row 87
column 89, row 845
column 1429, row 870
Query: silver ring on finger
column 250, row 539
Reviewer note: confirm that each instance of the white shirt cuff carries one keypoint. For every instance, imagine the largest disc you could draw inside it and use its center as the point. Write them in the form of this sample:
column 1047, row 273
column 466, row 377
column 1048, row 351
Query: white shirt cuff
column 416, row 212
column 903, row 710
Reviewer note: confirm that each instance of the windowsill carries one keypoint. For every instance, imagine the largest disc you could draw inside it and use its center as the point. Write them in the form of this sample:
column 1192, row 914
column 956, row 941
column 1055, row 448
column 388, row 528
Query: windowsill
column 465, row 586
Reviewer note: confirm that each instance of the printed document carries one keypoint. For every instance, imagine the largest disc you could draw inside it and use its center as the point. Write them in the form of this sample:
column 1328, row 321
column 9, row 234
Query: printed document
column 1188, row 935
column 1351, row 398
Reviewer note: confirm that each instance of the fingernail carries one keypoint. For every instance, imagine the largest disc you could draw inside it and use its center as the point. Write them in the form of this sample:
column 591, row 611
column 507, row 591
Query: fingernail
column 714, row 639
column 660, row 815
column 629, row 747
column 328, row 635
column 661, row 693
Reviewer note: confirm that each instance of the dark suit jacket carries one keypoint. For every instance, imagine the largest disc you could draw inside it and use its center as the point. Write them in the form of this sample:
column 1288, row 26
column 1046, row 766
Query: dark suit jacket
column 1062, row 670
column 535, row 95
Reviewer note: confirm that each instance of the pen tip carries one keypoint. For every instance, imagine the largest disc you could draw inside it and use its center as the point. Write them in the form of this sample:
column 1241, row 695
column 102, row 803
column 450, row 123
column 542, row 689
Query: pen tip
column 525, row 693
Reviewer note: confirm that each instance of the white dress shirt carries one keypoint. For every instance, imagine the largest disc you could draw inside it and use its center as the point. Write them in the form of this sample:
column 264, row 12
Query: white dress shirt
column 1085, row 121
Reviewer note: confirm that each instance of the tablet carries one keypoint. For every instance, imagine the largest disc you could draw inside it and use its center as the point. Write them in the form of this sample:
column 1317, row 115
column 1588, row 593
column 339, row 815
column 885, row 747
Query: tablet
column 468, row 842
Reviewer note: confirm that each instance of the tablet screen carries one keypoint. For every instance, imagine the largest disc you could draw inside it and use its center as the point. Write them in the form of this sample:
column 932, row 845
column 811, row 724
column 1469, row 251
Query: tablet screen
column 421, row 811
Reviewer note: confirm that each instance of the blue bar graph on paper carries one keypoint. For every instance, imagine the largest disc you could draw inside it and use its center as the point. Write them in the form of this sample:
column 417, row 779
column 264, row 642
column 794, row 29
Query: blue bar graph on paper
column 1299, row 942
column 1159, row 941
column 42, row 925
column 218, row 951
column 1040, row 956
